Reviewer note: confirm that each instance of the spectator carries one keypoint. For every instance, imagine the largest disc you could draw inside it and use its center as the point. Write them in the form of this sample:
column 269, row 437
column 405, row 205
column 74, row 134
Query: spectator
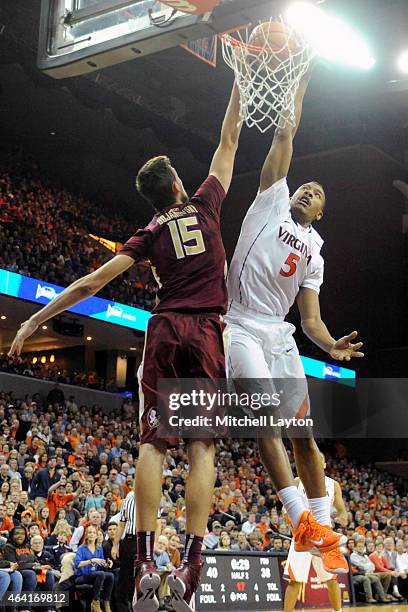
column 61, row 547
column 45, row 559
column 250, row 525
column 212, row 539
column 107, row 547
column 58, row 497
column 94, row 519
column 173, row 550
column 267, row 543
column 383, row 566
column 10, row 578
column 18, row 552
column 43, row 480
column 56, row 395
column 363, row 574
column 254, row 541
column 241, row 543
column 225, row 541
column 389, row 551
column 161, row 556
column 401, row 564
column 43, row 521
column 90, row 568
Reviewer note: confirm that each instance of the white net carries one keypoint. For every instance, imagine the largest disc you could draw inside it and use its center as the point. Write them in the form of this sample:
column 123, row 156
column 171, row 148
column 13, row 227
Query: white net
column 268, row 78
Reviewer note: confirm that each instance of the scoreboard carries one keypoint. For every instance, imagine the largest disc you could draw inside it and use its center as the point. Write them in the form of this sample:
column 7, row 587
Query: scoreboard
column 234, row 581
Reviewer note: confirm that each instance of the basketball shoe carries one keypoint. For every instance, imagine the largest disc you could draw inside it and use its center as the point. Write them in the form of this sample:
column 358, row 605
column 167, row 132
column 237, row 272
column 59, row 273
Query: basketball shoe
column 310, row 536
column 147, row 581
column 183, row 584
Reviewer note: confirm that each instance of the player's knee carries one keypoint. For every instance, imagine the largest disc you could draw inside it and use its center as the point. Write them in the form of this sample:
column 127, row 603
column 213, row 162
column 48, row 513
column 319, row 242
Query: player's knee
column 157, row 447
column 200, row 450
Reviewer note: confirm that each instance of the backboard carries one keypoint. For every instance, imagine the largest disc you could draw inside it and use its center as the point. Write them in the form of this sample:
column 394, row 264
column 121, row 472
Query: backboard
column 80, row 36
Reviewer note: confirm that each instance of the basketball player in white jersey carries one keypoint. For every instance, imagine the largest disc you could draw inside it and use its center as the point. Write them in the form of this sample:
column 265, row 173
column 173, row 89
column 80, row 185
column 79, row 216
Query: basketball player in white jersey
column 298, row 564
column 277, row 261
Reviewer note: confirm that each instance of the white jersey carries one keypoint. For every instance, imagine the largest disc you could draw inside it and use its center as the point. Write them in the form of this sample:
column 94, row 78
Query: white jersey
column 330, row 492
column 275, row 256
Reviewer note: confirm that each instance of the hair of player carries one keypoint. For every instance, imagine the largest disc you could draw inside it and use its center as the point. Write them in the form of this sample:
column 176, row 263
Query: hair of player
column 154, row 182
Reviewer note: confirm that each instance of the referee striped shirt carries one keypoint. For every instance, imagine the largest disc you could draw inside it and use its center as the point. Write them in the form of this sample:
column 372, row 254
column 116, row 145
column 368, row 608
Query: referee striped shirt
column 128, row 514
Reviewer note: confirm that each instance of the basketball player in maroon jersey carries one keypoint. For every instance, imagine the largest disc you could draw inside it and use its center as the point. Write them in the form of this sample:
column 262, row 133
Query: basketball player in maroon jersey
column 184, row 339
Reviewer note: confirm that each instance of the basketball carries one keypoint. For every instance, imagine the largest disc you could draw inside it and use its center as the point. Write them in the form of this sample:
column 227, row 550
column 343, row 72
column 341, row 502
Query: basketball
column 276, row 39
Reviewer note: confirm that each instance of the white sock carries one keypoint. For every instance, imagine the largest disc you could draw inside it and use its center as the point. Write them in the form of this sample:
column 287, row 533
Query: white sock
column 320, row 507
column 294, row 504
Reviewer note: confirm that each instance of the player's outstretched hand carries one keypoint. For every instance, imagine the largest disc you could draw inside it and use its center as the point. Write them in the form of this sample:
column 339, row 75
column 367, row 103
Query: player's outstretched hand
column 26, row 330
column 344, row 349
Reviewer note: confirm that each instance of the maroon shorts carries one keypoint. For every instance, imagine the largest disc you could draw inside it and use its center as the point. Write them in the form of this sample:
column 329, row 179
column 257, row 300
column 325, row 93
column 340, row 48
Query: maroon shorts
column 177, row 345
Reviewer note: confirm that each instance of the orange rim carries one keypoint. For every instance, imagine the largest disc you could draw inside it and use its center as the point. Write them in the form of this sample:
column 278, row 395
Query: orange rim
column 234, row 42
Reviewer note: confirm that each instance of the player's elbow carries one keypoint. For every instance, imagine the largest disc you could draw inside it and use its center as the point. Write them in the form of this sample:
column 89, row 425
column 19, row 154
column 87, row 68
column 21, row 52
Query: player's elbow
column 229, row 143
column 310, row 324
column 283, row 134
column 89, row 285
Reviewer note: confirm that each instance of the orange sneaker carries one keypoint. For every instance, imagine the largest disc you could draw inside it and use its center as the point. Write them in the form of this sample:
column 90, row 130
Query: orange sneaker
column 310, row 535
column 334, row 562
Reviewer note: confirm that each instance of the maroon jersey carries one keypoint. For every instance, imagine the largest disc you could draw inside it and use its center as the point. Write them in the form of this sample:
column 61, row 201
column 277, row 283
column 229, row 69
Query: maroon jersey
column 184, row 246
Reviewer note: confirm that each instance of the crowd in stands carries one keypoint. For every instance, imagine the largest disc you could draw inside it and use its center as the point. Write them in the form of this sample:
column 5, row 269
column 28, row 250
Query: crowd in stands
column 44, row 234
column 65, row 470
column 53, row 372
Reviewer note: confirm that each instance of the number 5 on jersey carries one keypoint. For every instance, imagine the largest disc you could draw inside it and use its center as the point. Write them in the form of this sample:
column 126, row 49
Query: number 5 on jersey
column 181, row 234
column 292, row 262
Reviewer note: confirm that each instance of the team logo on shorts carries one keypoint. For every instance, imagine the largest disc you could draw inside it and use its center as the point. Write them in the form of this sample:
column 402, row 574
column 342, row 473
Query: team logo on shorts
column 153, row 420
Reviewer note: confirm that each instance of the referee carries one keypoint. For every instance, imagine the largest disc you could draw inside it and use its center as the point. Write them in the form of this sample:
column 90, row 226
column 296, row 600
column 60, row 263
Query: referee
column 124, row 549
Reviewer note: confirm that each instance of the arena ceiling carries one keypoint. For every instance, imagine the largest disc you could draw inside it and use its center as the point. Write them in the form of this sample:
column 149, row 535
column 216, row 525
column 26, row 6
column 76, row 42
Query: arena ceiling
column 94, row 131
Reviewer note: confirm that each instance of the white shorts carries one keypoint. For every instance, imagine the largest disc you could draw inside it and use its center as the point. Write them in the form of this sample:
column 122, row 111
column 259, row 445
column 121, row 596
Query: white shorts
column 297, row 566
column 263, row 350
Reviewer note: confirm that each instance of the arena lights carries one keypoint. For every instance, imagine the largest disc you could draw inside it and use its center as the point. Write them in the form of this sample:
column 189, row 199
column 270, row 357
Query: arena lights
column 403, row 62
column 330, row 37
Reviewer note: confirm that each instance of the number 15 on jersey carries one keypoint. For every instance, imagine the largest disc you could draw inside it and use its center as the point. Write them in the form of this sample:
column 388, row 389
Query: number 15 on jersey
column 181, row 233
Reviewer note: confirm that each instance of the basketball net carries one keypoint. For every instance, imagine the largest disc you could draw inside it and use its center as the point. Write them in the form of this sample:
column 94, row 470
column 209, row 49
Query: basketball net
column 267, row 80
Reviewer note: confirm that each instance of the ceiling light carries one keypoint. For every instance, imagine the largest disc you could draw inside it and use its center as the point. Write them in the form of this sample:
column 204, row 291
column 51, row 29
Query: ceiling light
column 330, row 37
column 3, row 317
column 89, row 338
column 133, row 348
column 44, row 327
column 403, row 62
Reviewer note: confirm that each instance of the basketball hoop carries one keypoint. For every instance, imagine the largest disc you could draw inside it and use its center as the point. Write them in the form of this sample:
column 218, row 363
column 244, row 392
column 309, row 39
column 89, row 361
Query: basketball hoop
column 269, row 62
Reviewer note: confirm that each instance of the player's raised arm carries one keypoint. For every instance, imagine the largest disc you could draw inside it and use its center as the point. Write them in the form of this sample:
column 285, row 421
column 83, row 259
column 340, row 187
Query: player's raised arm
column 315, row 329
column 279, row 158
column 79, row 290
column 222, row 165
